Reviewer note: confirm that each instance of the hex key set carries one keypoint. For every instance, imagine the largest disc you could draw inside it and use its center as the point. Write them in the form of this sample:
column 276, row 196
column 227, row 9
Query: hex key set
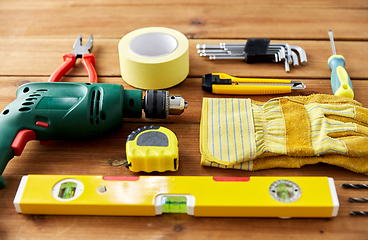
column 256, row 50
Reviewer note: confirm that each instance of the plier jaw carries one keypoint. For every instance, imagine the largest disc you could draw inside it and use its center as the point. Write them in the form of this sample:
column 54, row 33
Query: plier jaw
column 80, row 51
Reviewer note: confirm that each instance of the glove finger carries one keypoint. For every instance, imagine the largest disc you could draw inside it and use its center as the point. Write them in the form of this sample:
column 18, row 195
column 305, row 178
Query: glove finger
column 338, row 129
column 360, row 117
column 324, row 99
column 356, row 145
column 349, row 130
column 327, row 136
column 356, row 141
column 316, row 110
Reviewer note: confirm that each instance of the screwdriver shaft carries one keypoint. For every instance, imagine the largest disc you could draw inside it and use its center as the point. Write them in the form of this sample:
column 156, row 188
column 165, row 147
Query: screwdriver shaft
column 330, row 33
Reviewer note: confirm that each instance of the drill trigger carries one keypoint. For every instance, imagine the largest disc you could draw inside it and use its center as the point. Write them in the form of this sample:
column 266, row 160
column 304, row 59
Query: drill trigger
column 20, row 141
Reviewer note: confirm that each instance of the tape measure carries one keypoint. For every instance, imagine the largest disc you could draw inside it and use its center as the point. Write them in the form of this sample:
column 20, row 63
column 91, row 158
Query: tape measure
column 152, row 148
column 203, row 196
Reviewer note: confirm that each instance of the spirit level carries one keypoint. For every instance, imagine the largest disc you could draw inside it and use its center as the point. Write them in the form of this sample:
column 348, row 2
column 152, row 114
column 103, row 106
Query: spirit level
column 199, row 196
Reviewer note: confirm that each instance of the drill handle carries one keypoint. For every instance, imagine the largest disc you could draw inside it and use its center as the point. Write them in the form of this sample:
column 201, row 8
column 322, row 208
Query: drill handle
column 13, row 146
column 5, row 156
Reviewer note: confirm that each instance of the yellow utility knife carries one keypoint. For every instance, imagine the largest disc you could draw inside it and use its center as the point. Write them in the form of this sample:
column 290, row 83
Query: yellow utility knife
column 221, row 83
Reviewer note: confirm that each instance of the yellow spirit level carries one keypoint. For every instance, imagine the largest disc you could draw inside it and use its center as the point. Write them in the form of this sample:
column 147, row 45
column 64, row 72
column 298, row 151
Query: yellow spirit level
column 152, row 148
column 199, row 196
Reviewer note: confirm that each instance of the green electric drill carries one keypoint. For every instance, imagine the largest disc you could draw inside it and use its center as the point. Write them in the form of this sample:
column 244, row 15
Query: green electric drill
column 75, row 111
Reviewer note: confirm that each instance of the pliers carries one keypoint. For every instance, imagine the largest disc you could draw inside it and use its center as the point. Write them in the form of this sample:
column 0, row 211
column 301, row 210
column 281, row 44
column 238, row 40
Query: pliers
column 80, row 51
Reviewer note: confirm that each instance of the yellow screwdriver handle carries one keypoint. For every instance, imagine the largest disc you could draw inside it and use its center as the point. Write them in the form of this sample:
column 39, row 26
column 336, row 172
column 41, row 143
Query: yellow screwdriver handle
column 340, row 80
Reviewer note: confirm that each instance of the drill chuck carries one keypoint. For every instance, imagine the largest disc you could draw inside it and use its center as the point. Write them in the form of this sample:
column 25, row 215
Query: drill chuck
column 159, row 104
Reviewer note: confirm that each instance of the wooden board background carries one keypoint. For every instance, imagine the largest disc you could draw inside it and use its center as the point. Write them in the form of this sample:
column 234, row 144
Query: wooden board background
column 35, row 34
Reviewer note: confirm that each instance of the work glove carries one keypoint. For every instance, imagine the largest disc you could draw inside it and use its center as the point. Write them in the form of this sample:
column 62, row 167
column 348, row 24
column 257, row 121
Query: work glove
column 284, row 132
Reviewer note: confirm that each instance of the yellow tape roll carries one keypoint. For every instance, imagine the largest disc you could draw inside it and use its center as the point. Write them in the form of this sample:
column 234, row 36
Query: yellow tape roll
column 154, row 58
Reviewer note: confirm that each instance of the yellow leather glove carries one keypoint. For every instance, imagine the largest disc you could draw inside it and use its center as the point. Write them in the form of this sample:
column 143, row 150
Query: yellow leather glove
column 235, row 132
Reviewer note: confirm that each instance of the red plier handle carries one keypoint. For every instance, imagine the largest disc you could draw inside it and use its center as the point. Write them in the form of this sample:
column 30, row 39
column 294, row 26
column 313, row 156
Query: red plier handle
column 88, row 61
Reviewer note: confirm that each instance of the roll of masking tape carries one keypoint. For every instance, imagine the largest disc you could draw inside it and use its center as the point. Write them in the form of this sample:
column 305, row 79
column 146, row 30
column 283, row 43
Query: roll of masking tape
column 154, row 58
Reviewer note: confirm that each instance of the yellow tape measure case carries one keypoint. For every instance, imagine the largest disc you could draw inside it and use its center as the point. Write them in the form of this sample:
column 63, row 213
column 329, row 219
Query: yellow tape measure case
column 152, row 148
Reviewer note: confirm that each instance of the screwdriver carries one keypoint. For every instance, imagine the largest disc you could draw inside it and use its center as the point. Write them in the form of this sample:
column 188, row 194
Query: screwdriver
column 340, row 80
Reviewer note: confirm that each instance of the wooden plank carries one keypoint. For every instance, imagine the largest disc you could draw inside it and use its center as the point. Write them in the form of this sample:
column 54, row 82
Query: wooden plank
column 41, row 56
column 44, row 4
column 195, row 21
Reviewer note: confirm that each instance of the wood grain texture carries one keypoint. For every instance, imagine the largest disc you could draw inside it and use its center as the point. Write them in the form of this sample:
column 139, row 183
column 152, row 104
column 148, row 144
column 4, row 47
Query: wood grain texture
column 196, row 21
column 44, row 4
column 41, row 56
column 35, row 34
